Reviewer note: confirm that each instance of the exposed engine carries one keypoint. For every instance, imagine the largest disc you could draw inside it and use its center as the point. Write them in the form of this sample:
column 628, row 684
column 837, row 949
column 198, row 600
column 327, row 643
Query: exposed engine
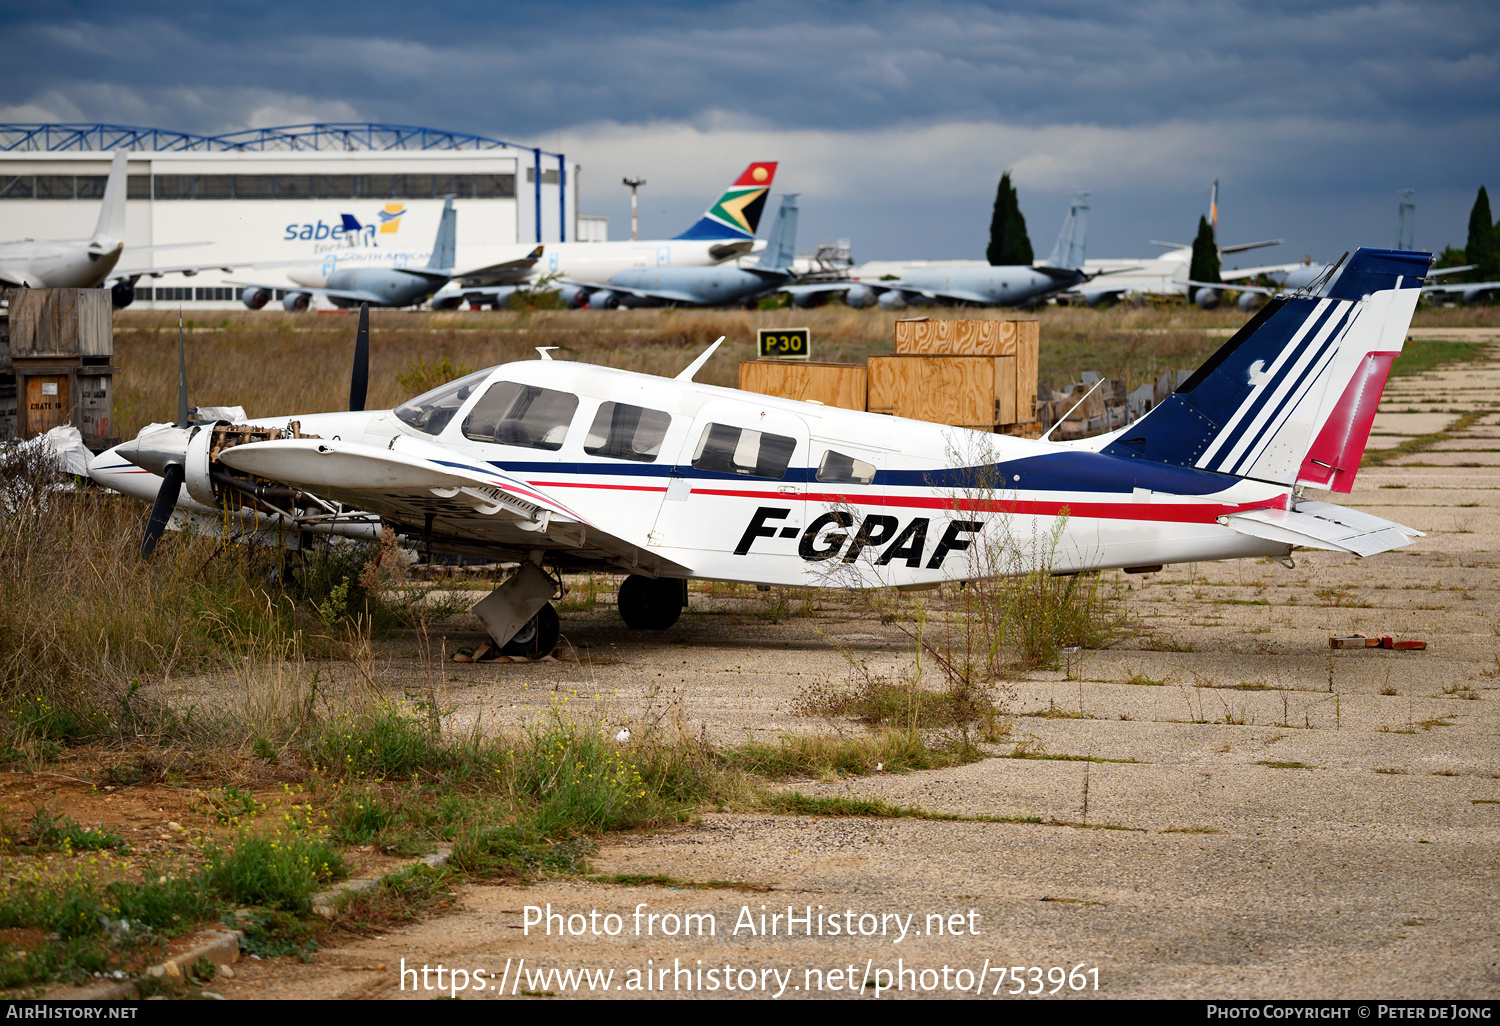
column 891, row 300
column 604, row 299
column 859, row 297
column 1207, row 299
column 213, row 484
column 1251, row 301
column 296, row 302
column 573, row 297
column 255, row 298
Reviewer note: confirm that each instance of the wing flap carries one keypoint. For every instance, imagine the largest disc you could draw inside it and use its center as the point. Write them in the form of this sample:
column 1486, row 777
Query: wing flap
column 1322, row 525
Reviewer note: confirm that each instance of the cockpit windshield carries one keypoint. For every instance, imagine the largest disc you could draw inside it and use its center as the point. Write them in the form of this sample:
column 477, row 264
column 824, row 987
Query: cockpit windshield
column 431, row 411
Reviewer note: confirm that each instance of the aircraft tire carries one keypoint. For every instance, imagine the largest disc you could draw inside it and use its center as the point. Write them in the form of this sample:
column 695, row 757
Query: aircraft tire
column 538, row 637
column 650, row 605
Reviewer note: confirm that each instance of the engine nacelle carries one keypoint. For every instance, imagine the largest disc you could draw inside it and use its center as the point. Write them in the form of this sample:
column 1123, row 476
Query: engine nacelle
column 296, row 302
column 808, row 300
column 1476, row 296
column 1207, row 299
column 195, row 475
column 603, row 300
column 255, row 298
column 122, row 294
column 891, row 300
column 573, row 297
column 1101, row 300
column 449, row 302
column 1250, row 301
column 859, row 297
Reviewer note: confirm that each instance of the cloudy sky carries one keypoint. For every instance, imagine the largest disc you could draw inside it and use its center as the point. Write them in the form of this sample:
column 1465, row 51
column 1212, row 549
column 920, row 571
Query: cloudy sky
column 893, row 119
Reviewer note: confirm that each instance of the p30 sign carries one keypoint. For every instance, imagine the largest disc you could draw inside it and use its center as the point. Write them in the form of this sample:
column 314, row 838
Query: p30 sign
column 784, row 343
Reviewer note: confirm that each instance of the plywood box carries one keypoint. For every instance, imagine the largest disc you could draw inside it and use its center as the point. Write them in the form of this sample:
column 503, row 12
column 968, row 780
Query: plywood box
column 52, row 323
column 952, row 337
column 833, row 384
column 960, row 390
column 943, row 389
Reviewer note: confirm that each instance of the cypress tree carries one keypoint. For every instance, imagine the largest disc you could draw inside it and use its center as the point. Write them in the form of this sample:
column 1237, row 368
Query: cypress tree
column 1205, row 265
column 1009, row 244
column 1481, row 248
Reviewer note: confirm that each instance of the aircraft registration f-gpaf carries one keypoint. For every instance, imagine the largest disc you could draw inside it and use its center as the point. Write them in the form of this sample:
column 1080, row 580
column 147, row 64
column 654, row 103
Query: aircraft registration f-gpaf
column 559, row 466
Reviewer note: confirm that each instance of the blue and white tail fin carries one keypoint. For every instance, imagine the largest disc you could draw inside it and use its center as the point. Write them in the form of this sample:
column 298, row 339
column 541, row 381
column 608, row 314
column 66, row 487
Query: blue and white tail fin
column 1071, row 241
column 781, row 243
column 445, row 246
column 1291, row 397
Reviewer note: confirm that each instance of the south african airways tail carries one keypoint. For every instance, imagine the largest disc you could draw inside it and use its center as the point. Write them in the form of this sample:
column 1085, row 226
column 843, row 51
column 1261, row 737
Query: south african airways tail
column 736, row 214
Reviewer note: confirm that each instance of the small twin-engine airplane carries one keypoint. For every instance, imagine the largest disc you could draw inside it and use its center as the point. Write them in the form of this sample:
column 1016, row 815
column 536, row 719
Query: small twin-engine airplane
column 552, row 464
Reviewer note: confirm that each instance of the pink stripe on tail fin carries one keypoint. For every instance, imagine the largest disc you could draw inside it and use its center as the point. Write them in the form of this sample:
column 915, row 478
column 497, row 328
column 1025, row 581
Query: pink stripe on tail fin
column 1334, row 457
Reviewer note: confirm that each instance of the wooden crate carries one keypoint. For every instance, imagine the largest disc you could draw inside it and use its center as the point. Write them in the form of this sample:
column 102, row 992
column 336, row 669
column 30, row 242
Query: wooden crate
column 957, row 390
column 46, row 323
column 833, row 384
column 1015, row 346
column 952, row 337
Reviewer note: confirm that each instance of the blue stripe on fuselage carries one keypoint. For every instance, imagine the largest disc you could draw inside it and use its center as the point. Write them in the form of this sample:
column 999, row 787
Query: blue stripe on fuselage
column 1077, row 471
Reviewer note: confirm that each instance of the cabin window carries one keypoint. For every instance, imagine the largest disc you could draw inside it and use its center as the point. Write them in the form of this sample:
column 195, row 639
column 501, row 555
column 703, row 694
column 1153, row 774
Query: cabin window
column 726, row 449
column 525, row 415
column 431, row 411
column 836, row 468
column 626, row 432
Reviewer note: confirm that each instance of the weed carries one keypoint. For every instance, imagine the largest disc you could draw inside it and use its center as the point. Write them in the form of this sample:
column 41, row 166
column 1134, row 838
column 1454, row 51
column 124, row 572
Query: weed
column 1463, row 691
column 1388, row 690
column 228, row 805
column 1390, row 770
column 1285, row 765
column 1141, row 678
column 270, row 933
column 279, row 869
column 399, row 898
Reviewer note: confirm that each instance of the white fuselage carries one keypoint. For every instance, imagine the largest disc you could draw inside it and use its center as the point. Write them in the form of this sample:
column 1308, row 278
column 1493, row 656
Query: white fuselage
column 55, row 264
column 943, row 503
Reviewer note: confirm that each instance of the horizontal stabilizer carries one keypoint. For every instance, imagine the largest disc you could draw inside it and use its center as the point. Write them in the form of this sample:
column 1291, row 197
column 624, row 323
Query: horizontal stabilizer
column 1322, row 525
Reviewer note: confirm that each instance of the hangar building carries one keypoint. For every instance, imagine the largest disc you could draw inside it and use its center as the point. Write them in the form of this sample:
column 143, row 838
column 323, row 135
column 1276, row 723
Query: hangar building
column 278, row 195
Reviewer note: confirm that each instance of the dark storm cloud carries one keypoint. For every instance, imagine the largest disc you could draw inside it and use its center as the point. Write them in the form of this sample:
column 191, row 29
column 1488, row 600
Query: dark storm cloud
column 530, row 68
column 893, row 118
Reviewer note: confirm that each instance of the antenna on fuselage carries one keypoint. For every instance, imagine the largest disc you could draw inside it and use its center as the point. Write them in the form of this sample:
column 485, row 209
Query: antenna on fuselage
column 697, row 365
column 546, row 351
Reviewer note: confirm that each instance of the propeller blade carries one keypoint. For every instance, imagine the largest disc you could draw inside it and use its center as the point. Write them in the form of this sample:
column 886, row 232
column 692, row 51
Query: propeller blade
column 161, row 509
column 182, row 406
column 359, row 383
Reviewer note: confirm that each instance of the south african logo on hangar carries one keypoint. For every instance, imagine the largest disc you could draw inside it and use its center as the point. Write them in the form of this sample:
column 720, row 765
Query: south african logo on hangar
column 741, row 205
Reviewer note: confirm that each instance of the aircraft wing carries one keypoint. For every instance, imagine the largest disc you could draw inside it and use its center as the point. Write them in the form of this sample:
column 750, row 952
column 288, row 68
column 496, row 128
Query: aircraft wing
column 1241, row 247
column 1231, row 286
column 1463, row 287
column 472, row 505
column 348, row 295
column 507, row 272
column 1322, row 525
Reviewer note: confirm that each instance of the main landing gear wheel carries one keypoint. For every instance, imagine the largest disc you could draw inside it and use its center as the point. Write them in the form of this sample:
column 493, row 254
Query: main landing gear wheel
column 651, row 605
column 537, row 638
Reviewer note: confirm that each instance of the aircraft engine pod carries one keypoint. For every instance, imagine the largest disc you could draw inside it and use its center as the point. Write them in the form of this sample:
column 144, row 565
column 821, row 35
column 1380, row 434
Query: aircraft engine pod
column 296, row 302
column 1102, row 300
column 255, row 298
column 859, row 297
column 892, row 300
column 573, row 296
column 445, row 302
column 1207, row 299
column 122, row 294
column 808, row 300
column 1250, row 301
column 604, row 299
